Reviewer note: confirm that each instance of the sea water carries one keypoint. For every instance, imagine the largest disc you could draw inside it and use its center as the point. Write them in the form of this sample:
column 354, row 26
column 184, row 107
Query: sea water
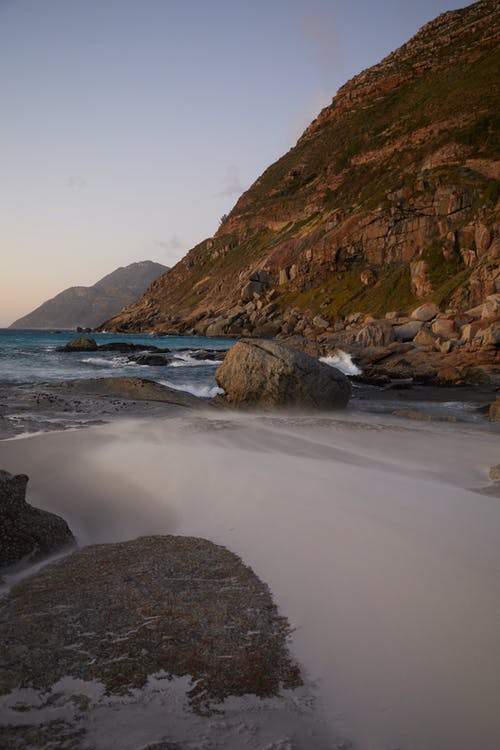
column 32, row 356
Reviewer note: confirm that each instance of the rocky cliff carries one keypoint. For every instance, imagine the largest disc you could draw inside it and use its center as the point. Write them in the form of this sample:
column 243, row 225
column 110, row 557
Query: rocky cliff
column 87, row 306
column 389, row 199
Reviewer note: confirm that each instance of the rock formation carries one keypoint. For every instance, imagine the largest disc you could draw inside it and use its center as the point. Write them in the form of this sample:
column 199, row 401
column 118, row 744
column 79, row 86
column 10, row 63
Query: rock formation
column 87, row 306
column 108, row 618
column 388, row 201
column 27, row 534
column 267, row 373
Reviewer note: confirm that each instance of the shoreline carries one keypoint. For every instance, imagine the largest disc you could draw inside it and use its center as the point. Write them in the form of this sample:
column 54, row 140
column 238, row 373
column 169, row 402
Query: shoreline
column 377, row 543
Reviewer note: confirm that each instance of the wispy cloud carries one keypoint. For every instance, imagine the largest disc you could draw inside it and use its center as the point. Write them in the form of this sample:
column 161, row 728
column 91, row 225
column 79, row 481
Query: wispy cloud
column 171, row 248
column 77, row 182
column 231, row 182
column 322, row 33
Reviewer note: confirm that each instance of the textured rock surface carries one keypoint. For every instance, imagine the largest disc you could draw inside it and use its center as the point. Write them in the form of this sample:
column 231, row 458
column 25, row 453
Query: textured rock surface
column 27, row 533
column 114, row 615
column 267, row 373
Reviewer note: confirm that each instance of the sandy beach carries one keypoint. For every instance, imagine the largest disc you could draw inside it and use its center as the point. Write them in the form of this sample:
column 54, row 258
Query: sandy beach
column 378, row 538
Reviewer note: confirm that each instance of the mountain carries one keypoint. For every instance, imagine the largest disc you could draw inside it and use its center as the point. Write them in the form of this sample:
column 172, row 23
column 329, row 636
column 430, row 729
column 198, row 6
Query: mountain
column 87, row 306
column 388, row 199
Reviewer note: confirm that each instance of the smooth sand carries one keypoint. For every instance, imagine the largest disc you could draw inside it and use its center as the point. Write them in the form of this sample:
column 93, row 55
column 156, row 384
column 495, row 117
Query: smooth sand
column 371, row 535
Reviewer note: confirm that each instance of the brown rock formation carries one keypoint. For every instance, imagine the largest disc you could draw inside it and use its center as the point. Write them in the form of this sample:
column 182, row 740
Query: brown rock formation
column 388, row 199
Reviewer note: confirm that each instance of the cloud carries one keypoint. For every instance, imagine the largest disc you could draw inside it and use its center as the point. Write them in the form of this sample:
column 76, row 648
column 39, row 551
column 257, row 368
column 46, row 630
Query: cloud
column 322, row 33
column 173, row 243
column 77, row 182
column 172, row 248
column 231, row 181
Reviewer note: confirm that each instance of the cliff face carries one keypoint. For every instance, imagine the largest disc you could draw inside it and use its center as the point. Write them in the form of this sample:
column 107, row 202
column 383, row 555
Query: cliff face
column 88, row 306
column 390, row 197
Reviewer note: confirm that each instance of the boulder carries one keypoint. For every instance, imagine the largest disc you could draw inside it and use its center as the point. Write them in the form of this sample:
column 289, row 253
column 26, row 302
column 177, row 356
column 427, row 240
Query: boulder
column 426, row 338
column 425, row 312
column 27, row 534
column 319, row 322
column 444, row 327
column 407, row 331
column 80, row 344
column 491, row 306
column 268, row 374
column 376, row 334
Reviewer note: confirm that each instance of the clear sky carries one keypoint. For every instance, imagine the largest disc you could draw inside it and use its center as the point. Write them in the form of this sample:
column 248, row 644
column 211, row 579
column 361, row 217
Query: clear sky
column 128, row 127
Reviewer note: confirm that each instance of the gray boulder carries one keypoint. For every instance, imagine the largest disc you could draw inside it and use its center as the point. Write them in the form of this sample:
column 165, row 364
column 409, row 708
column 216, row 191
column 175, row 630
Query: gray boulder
column 258, row 372
column 27, row 533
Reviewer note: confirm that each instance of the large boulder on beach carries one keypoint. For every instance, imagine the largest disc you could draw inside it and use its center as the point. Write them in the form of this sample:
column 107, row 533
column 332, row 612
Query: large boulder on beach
column 126, row 621
column 258, row 372
column 27, row 534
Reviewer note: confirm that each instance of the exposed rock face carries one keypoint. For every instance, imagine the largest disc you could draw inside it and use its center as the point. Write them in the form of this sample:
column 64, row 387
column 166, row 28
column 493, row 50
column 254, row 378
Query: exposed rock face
column 88, row 306
column 27, row 533
column 388, row 200
column 118, row 613
column 267, row 374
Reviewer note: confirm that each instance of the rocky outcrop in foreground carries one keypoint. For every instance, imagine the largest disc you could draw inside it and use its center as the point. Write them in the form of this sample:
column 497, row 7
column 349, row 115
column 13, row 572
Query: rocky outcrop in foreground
column 114, row 615
column 27, row 534
column 267, row 373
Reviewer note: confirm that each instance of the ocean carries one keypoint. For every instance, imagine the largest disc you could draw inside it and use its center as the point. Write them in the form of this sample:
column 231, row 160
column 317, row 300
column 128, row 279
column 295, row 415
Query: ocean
column 31, row 356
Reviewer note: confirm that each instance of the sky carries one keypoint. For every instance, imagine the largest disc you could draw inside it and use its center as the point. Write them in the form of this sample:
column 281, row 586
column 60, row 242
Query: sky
column 129, row 127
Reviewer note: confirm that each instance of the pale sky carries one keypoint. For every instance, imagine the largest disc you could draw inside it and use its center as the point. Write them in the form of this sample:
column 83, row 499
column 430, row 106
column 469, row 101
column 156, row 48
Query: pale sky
column 129, row 127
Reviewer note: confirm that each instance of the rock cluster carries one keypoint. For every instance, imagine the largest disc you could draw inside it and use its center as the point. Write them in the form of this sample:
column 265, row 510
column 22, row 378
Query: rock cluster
column 27, row 534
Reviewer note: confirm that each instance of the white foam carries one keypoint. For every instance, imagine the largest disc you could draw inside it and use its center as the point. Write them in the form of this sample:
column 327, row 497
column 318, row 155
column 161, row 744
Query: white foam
column 343, row 362
column 203, row 391
column 186, row 360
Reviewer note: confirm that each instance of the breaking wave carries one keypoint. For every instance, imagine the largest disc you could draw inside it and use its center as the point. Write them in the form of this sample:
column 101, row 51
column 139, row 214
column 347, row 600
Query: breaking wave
column 343, row 362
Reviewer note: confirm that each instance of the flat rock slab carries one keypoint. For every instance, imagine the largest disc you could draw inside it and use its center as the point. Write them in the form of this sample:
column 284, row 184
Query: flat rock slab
column 139, row 389
column 119, row 613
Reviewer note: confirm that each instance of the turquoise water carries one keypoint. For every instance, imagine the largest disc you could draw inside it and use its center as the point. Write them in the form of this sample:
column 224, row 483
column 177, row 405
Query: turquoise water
column 28, row 356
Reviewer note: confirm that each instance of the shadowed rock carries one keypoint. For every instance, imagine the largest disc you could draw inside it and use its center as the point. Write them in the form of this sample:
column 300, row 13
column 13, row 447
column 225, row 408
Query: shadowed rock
column 27, row 533
column 267, row 373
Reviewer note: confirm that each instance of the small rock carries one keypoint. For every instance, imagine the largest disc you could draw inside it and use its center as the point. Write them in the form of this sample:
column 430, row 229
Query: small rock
column 494, row 474
column 494, row 412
